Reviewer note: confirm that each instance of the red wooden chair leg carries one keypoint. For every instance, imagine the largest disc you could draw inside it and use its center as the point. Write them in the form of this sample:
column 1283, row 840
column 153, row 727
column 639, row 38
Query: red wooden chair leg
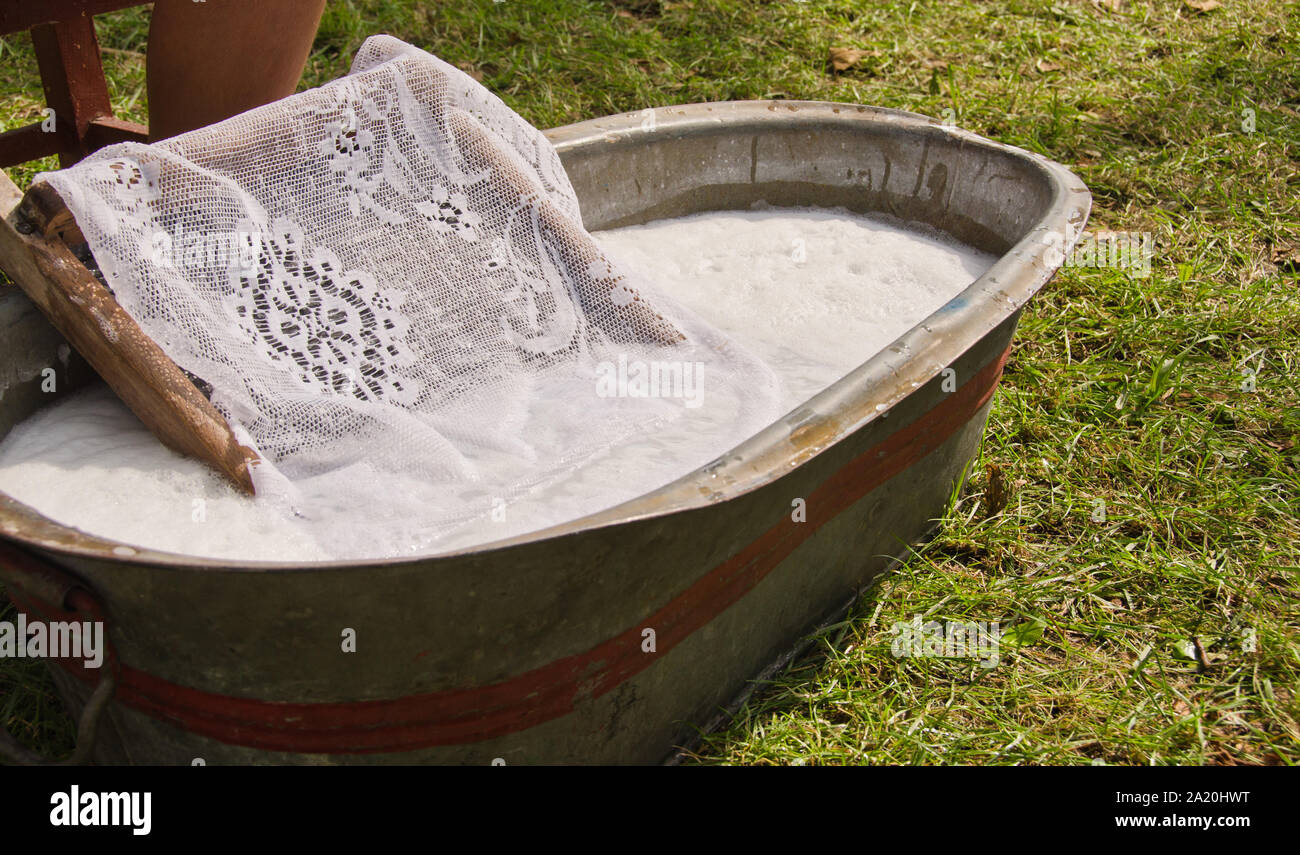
column 72, row 75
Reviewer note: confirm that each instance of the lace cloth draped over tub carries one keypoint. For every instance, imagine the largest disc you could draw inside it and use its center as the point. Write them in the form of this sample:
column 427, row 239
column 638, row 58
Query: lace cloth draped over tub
column 386, row 285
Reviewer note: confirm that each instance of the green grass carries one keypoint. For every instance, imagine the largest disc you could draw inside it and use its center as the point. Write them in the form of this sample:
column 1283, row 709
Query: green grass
column 1120, row 389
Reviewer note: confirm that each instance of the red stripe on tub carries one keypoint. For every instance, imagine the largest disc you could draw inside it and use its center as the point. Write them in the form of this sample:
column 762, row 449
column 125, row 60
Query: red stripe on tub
column 461, row 716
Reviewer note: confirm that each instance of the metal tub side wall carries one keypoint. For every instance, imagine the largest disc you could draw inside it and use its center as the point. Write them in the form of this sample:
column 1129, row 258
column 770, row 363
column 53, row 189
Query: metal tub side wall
column 531, row 650
column 703, row 157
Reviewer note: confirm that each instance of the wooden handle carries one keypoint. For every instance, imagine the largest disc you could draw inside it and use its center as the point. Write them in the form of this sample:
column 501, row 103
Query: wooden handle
column 43, row 209
column 93, row 322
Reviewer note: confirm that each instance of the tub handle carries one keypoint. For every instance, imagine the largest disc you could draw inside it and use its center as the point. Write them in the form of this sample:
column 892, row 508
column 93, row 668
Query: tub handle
column 57, row 587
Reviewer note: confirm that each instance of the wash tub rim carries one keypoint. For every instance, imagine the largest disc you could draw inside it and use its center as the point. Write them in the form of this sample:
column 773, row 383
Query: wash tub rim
column 865, row 393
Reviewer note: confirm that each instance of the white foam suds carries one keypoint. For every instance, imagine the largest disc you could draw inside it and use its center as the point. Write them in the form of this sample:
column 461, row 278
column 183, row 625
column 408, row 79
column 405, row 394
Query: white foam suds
column 813, row 292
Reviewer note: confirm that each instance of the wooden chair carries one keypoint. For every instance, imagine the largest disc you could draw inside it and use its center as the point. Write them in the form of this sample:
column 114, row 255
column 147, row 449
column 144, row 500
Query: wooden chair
column 67, row 52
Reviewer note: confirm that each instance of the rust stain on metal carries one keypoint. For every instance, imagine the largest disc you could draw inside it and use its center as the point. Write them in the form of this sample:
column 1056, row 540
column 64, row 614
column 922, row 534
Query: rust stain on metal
column 811, row 437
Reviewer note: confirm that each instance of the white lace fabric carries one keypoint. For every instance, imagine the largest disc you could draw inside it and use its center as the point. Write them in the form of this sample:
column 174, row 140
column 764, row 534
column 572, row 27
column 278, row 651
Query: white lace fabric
column 387, row 286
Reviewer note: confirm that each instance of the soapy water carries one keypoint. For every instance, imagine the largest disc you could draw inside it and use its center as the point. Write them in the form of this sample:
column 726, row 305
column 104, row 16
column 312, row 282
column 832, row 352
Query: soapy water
column 812, row 292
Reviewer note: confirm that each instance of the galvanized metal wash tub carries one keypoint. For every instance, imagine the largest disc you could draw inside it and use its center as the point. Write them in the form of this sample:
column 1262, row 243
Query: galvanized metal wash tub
column 535, row 650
